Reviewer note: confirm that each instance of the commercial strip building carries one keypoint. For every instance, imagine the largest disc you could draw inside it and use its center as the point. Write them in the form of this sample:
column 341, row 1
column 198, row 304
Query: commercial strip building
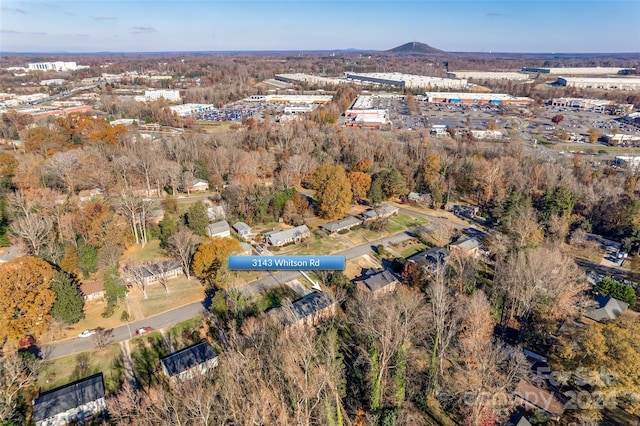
column 574, row 71
column 476, row 98
column 56, row 66
column 408, row 81
column 593, row 105
column 187, row 110
column 604, row 83
column 309, row 79
column 488, row 75
column 291, row 99
column 154, row 95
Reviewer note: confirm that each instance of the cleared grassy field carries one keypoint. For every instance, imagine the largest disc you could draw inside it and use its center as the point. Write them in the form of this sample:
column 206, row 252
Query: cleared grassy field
column 60, row 371
column 181, row 292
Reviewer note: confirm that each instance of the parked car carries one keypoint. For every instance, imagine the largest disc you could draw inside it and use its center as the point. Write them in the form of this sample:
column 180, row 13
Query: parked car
column 143, row 330
column 86, row 333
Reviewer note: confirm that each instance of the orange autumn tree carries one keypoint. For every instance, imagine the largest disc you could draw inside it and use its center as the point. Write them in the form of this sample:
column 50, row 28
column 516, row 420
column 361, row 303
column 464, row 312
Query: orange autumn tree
column 26, row 298
column 210, row 260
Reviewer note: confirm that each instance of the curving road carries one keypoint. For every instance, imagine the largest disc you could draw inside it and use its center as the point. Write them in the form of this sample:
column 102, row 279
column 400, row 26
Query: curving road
column 170, row 318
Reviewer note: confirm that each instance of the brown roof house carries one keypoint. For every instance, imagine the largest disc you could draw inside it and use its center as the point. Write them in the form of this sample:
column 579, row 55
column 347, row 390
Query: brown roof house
column 307, row 311
column 467, row 245
column 376, row 281
column 532, row 398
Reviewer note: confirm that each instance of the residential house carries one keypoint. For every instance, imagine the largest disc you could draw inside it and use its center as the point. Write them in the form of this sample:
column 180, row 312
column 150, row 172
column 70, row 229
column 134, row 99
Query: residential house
column 216, row 213
column 380, row 212
column 246, row 249
column 198, row 185
column 432, row 260
column 92, row 290
column 519, row 420
column 90, row 194
column 189, row 362
column 534, row 398
column 376, row 281
column 287, row 236
column 467, row 245
column 242, row 229
column 608, row 309
column 155, row 216
column 418, row 198
column 71, row 403
column 339, row 225
column 307, row 311
column 12, row 253
column 219, row 229
column 154, row 272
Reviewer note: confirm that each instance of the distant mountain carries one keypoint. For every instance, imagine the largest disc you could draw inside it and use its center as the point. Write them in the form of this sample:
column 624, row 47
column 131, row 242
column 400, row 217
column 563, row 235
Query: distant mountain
column 415, row 48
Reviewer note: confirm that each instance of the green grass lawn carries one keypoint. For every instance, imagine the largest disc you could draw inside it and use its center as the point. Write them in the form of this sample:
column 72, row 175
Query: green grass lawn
column 274, row 297
column 361, row 235
column 182, row 334
column 407, row 221
column 181, row 292
column 151, row 252
column 146, row 352
column 60, row 371
column 410, row 251
column 316, row 244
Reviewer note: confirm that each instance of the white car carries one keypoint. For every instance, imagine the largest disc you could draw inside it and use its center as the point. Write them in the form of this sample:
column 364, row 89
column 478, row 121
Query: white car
column 87, row 333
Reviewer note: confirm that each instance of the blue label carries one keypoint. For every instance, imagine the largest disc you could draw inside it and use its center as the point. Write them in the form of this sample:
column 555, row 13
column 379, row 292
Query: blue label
column 286, row 263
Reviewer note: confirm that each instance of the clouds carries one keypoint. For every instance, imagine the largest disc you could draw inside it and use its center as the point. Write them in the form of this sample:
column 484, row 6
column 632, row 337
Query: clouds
column 3, row 31
column 142, row 30
column 494, row 14
column 13, row 10
column 104, row 18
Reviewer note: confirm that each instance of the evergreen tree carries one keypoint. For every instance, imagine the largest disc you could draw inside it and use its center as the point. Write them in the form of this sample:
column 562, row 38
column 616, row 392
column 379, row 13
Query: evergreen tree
column 69, row 303
column 168, row 226
column 114, row 288
column 197, row 218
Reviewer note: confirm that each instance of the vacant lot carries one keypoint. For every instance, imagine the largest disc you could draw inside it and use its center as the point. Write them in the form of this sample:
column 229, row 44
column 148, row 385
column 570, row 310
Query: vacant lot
column 60, row 371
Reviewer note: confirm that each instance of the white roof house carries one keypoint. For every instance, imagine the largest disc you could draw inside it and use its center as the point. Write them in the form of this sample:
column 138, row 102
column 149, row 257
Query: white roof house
column 218, row 229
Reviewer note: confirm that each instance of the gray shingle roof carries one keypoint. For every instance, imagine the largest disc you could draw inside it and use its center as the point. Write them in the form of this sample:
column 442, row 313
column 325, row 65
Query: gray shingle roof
column 467, row 243
column 431, row 259
column 380, row 211
column 67, row 397
column 188, row 358
column 287, row 235
column 345, row 223
column 304, row 307
column 609, row 309
column 241, row 226
column 218, row 227
column 377, row 279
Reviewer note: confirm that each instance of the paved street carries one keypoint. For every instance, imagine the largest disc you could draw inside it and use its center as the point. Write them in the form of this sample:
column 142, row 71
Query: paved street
column 169, row 318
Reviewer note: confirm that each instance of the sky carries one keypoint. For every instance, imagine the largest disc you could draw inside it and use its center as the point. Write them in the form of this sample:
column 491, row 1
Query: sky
column 230, row 25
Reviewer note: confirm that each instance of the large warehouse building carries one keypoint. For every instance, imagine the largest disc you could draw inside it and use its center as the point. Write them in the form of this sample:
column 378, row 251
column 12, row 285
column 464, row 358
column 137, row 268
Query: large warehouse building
column 291, row 99
column 476, row 98
column 488, row 75
column 56, row 66
column 408, row 81
column 309, row 79
column 600, row 83
column 574, row 71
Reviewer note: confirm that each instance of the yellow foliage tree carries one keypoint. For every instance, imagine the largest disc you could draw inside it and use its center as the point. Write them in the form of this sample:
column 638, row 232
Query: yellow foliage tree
column 25, row 298
column 8, row 165
column 333, row 191
column 607, row 357
column 360, row 184
column 210, row 260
